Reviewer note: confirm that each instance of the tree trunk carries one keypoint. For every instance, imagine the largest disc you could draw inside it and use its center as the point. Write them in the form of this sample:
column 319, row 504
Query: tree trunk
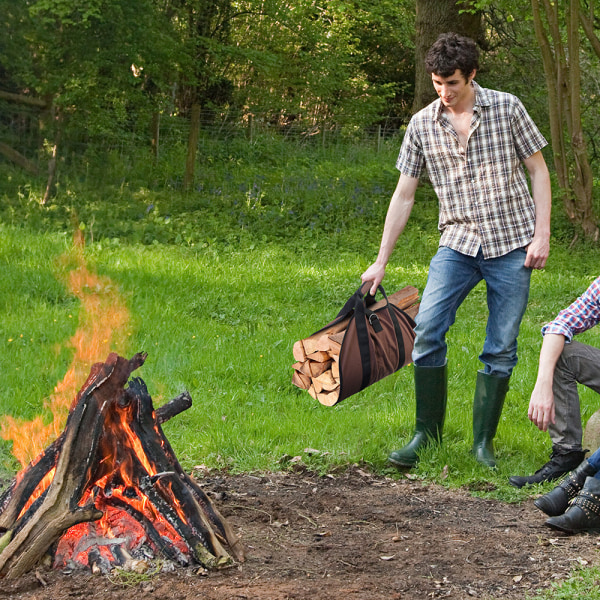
column 155, row 132
column 52, row 162
column 435, row 17
column 23, row 99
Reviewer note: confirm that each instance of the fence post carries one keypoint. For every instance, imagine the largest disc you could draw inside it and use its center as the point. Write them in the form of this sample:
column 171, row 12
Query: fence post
column 155, row 125
column 378, row 138
column 250, row 126
column 194, row 135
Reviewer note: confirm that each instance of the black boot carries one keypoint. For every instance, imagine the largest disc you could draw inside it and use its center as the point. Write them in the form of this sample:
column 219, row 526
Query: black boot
column 431, row 392
column 555, row 503
column 584, row 512
column 560, row 463
column 490, row 392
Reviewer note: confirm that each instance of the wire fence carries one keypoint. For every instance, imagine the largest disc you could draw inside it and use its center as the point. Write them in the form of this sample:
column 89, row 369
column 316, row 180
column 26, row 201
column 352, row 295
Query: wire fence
column 25, row 130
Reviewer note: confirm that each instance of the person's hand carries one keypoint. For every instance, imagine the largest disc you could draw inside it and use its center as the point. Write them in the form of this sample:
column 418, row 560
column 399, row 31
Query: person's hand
column 537, row 253
column 541, row 407
column 375, row 274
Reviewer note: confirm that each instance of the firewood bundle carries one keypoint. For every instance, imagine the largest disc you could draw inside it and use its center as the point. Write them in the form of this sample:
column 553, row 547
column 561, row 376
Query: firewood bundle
column 317, row 368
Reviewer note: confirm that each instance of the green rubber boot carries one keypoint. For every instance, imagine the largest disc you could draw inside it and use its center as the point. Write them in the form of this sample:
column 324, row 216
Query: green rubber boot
column 490, row 392
column 431, row 392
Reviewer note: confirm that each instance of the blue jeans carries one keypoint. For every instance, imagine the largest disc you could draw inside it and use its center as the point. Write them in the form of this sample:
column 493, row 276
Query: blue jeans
column 594, row 460
column 452, row 276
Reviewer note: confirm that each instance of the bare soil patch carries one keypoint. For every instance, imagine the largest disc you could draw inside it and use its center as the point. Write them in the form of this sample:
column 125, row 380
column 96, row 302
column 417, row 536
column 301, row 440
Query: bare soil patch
column 353, row 536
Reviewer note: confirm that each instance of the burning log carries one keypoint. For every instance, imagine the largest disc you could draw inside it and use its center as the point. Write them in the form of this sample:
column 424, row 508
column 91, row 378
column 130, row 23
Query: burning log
column 110, row 483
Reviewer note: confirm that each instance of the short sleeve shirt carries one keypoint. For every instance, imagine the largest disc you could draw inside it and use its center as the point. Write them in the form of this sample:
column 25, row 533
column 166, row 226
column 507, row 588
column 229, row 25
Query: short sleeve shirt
column 580, row 316
column 483, row 193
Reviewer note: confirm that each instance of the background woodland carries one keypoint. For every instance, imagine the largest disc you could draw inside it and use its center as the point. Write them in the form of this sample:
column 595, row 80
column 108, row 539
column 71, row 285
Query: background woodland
column 148, row 79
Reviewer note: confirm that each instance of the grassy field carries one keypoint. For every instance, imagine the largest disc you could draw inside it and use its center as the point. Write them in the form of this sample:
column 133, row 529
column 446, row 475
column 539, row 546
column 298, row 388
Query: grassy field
column 221, row 281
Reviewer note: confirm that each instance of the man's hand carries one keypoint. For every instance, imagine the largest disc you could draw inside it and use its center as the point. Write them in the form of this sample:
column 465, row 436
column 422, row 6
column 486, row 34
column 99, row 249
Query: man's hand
column 375, row 274
column 537, row 253
column 541, row 407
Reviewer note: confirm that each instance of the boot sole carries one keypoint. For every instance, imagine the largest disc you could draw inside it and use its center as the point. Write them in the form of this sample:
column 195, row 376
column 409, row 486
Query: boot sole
column 595, row 530
column 405, row 464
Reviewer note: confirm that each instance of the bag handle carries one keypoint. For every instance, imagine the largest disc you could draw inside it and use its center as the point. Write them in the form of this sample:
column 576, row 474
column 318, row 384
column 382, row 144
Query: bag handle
column 360, row 296
column 363, row 315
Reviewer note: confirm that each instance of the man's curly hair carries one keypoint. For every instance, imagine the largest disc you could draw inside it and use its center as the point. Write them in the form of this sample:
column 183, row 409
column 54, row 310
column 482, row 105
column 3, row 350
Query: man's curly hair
column 451, row 52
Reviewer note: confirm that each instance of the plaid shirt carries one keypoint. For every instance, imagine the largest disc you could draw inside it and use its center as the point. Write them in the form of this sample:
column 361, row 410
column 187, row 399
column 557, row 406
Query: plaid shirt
column 483, row 194
column 582, row 315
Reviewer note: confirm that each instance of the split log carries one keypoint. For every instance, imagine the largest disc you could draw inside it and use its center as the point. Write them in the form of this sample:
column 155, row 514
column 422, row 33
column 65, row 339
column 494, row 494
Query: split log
column 317, row 369
column 112, row 441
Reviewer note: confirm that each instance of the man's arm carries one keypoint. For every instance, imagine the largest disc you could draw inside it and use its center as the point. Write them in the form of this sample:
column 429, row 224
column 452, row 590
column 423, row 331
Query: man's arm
column 579, row 316
column 539, row 248
column 541, row 404
column 399, row 210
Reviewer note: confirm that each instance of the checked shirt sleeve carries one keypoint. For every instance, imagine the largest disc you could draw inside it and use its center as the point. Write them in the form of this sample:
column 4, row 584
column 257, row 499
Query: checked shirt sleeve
column 582, row 315
column 411, row 159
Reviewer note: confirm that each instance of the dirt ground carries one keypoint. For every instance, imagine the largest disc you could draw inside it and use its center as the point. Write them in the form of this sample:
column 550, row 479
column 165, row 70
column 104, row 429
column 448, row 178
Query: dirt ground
column 352, row 536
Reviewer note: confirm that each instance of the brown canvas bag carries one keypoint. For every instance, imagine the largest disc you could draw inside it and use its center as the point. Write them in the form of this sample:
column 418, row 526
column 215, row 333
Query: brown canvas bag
column 376, row 343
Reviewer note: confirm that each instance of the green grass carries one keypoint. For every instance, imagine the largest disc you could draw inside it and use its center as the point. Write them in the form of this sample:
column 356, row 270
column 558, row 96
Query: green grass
column 583, row 583
column 219, row 284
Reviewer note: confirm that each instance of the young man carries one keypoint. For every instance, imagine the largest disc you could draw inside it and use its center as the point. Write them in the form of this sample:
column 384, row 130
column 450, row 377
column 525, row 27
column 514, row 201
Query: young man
column 473, row 142
column 554, row 404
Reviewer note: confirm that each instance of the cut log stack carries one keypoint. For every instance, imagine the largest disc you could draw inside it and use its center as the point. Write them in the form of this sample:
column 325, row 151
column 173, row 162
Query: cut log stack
column 317, row 368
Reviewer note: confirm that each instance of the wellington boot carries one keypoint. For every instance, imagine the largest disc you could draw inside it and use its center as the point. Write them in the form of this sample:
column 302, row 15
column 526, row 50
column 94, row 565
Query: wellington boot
column 555, row 502
column 490, row 392
column 584, row 512
column 431, row 392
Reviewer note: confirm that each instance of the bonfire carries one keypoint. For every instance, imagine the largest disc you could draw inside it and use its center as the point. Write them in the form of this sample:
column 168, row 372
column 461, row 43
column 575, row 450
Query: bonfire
column 109, row 491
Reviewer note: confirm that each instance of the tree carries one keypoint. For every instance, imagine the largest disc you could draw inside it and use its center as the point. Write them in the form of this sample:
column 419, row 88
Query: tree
column 291, row 61
column 561, row 55
column 433, row 18
column 91, row 63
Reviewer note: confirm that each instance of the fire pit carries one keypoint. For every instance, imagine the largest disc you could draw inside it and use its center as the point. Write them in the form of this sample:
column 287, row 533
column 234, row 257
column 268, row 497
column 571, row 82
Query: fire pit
column 110, row 491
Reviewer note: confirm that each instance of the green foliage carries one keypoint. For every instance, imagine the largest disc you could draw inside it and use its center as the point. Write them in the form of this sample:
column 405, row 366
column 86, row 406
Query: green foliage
column 269, row 189
column 109, row 67
column 96, row 61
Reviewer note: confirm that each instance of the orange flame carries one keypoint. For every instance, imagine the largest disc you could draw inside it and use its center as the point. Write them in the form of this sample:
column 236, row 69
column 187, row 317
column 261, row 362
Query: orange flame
column 103, row 319
column 102, row 326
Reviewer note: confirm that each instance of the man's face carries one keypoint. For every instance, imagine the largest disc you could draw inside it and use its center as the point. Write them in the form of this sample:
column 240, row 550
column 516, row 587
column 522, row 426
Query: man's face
column 454, row 89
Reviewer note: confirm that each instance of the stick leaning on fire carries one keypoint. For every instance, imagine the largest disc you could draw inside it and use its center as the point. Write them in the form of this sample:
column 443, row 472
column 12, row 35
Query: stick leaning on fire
column 317, row 369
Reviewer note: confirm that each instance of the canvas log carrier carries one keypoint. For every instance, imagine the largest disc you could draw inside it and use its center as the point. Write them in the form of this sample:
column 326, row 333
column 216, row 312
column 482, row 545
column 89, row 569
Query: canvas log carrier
column 367, row 341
